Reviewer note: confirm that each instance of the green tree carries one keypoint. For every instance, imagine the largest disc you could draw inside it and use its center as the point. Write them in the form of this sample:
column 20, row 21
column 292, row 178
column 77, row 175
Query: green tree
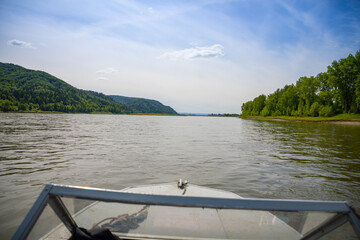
column 288, row 100
column 246, row 108
column 357, row 82
column 308, row 88
column 271, row 103
column 357, row 93
column 337, row 90
column 5, row 105
column 258, row 104
column 343, row 75
column 326, row 94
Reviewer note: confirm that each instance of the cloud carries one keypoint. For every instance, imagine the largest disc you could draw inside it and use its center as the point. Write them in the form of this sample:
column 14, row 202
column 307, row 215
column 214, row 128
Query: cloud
column 215, row 50
column 107, row 71
column 102, row 79
column 22, row 44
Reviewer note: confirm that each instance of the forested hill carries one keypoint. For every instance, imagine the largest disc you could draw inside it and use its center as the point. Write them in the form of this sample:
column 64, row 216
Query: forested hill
column 24, row 90
column 333, row 92
column 29, row 90
column 143, row 105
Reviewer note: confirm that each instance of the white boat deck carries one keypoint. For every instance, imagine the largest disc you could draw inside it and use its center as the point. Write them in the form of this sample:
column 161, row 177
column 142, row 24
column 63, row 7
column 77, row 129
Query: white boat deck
column 163, row 222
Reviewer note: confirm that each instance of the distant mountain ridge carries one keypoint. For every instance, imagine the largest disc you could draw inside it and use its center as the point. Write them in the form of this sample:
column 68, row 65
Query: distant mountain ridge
column 25, row 90
column 143, row 105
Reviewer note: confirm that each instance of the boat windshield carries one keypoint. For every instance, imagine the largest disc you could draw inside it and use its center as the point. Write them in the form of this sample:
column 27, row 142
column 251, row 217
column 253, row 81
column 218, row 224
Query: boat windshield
column 62, row 211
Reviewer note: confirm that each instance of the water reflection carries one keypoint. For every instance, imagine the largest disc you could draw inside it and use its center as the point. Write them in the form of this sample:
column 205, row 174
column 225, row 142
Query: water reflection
column 250, row 158
column 318, row 161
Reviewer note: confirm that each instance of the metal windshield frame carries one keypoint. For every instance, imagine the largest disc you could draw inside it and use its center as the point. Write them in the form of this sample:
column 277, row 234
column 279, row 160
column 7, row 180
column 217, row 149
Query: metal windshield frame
column 51, row 195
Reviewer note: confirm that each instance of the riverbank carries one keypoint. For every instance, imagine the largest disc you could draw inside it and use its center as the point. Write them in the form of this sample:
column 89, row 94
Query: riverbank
column 101, row 113
column 344, row 119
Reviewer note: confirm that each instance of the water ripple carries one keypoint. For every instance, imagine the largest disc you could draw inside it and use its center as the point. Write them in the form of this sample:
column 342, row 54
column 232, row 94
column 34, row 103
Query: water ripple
column 250, row 158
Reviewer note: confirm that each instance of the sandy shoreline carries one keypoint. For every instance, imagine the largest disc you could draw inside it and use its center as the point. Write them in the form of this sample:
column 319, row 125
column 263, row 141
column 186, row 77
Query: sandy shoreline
column 353, row 123
column 339, row 122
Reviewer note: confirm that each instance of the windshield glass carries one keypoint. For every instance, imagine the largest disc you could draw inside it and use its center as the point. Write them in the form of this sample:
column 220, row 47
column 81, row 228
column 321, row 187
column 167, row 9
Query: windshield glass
column 170, row 222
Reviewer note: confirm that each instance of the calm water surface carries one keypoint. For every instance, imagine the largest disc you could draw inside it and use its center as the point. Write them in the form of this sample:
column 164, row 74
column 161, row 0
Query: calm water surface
column 251, row 158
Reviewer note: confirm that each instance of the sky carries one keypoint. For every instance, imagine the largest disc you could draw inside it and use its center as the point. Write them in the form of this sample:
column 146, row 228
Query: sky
column 195, row 56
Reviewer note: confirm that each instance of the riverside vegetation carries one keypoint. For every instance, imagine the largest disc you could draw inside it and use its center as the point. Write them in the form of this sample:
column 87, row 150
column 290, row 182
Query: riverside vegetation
column 24, row 90
column 335, row 92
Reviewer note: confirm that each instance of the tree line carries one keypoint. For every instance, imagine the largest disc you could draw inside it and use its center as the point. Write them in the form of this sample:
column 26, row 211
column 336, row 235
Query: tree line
column 143, row 105
column 329, row 93
column 224, row 115
column 27, row 90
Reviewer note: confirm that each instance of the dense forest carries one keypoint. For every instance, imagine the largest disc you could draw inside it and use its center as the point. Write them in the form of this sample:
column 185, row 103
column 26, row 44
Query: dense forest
column 142, row 105
column 333, row 92
column 29, row 90
column 24, row 90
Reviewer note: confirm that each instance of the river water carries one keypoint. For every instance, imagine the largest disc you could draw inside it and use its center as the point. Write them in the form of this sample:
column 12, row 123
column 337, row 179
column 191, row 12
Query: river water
column 315, row 161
